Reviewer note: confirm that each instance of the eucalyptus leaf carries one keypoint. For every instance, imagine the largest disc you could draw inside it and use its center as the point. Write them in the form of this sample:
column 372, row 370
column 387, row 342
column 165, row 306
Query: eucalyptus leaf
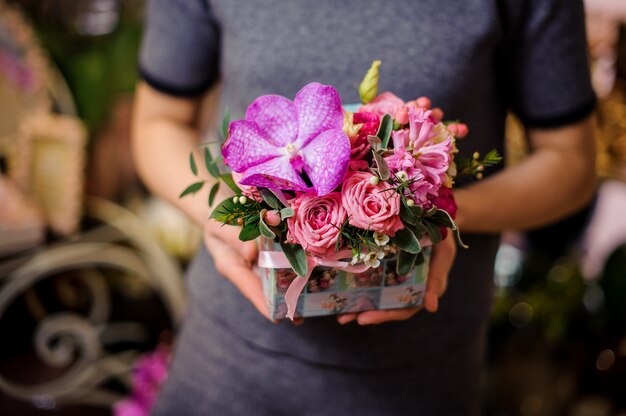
column 287, row 212
column 406, row 240
column 459, row 241
column 405, row 262
column 407, row 214
column 383, row 169
column 296, row 256
column 227, row 178
column 419, row 230
column 420, row 259
column 213, row 192
column 209, row 162
column 192, row 189
column 263, row 227
column 374, row 142
column 384, row 130
column 433, row 232
column 226, row 123
column 431, row 211
column 270, row 199
column 192, row 164
column 249, row 232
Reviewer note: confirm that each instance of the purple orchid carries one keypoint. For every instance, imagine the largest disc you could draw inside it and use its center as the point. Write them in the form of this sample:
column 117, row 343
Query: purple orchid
column 280, row 139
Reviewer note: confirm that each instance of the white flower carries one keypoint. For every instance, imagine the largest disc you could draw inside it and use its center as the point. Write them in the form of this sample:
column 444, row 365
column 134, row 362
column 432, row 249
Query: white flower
column 402, row 176
column 372, row 259
column 355, row 259
column 381, row 239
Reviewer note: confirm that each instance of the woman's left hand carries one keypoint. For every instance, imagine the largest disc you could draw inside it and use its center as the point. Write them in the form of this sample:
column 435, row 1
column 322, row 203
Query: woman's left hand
column 441, row 261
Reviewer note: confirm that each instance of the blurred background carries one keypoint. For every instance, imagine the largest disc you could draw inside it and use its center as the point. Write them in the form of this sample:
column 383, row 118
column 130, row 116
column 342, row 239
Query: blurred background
column 91, row 265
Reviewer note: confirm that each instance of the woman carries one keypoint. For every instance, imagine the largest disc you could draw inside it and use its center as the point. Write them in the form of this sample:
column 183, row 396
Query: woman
column 473, row 58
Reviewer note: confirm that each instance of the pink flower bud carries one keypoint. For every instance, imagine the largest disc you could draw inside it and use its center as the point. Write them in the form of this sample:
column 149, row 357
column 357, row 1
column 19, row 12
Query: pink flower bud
column 423, row 102
column 462, row 130
column 272, row 218
column 437, row 113
column 402, row 116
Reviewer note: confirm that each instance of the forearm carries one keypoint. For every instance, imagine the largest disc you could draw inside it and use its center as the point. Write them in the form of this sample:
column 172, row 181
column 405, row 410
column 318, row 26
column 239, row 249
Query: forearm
column 551, row 183
column 161, row 147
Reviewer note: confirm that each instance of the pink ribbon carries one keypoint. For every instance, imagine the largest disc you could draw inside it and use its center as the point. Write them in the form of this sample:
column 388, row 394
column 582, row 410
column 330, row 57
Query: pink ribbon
column 277, row 260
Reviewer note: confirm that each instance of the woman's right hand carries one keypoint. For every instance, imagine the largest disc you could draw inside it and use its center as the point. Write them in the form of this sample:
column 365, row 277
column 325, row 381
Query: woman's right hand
column 234, row 260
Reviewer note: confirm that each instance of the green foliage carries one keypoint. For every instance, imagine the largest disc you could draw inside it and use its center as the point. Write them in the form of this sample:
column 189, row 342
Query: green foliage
column 214, row 189
column 192, row 164
column 296, row 256
column 405, row 262
column 384, row 130
column 270, row 199
column 192, row 189
column 406, row 240
column 475, row 166
column 264, row 228
column 287, row 213
column 210, row 163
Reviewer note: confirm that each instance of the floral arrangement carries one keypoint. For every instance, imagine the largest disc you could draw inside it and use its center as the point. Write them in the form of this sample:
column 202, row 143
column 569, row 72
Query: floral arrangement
column 330, row 183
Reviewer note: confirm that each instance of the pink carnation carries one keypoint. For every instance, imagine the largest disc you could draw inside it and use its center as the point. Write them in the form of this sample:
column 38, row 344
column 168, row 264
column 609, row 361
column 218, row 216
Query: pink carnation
column 371, row 207
column 359, row 146
column 316, row 223
column 445, row 201
column 385, row 103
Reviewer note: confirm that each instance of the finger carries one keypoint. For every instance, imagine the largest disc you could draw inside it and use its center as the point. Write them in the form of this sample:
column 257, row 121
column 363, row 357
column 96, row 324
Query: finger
column 379, row 317
column 441, row 262
column 233, row 267
column 347, row 318
column 230, row 235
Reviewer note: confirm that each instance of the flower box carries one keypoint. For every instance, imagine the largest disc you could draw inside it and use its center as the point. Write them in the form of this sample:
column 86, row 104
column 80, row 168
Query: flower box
column 331, row 291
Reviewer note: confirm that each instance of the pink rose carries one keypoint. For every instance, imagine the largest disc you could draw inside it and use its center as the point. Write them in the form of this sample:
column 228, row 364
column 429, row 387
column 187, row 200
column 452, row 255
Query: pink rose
column 371, row 207
column 316, row 223
column 385, row 103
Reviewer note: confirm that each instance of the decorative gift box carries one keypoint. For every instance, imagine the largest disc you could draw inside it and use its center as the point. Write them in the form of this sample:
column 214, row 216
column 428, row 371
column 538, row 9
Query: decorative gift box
column 332, row 291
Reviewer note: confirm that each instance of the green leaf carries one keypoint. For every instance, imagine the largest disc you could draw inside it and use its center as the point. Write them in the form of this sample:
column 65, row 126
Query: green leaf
column 374, row 142
column 270, row 199
column 459, row 241
column 431, row 211
column 433, row 232
column 226, row 207
column 192, row 189
column 383, row 169
column 407, row 214
column 213, row 192
column 420, row 259
column 226, row 123
column 287, row 212
column 406, row 240
column 249, row 232
column 405, row 262
column 419, row 230
column 263, row 228
column 296, row 256
column 228, row 180
column 192, row 164
column 384, row 130
column 209, row 162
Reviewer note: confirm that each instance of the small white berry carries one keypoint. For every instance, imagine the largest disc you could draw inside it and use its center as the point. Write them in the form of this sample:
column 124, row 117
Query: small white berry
column 235, row 200
column 410, row 202
column 243, row 199
column 374, row 180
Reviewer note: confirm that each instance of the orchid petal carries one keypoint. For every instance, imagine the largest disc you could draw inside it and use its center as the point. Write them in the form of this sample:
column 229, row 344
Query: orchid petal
column 274, row 173
column 326, row 160
column 277, row 117
column 247, row 145
column 319, row 109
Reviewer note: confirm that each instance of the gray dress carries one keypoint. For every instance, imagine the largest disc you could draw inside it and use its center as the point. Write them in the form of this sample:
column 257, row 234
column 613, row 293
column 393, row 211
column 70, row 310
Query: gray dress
column 473, row 58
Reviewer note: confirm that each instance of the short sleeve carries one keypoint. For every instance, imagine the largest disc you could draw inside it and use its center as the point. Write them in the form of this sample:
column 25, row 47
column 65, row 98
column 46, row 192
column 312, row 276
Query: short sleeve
column 548, row 73
column 180, row 47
